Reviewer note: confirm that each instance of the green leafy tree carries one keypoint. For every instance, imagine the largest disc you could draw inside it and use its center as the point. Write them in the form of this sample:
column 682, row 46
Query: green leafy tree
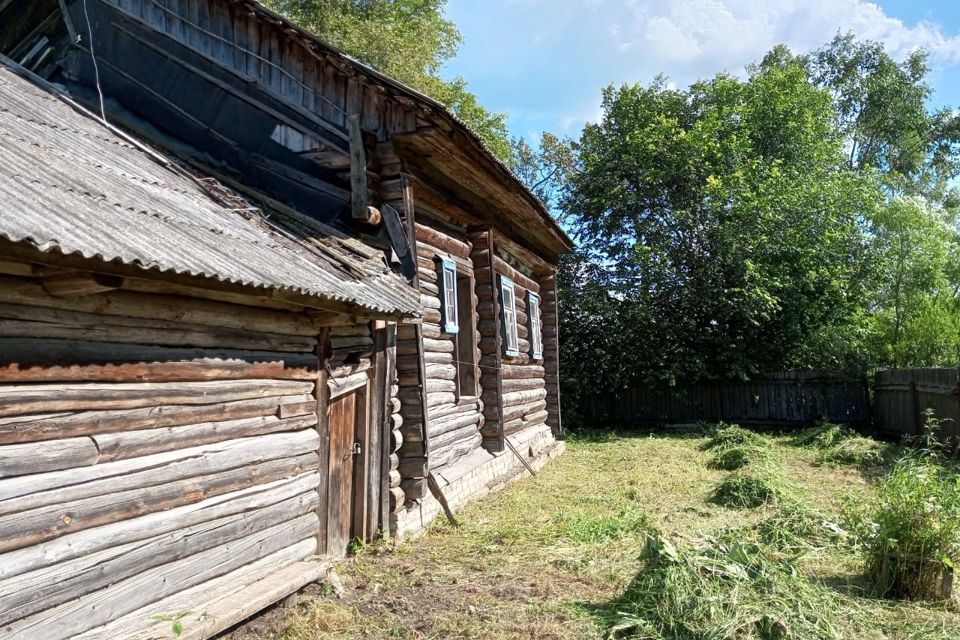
column 409, row 40
column 725, row 217
column 882, row 113
column 914, row 311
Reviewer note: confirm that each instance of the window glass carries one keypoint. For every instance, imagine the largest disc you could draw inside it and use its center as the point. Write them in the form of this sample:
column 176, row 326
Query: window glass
column 448, row 295
column 509, row 304
column 536, row 327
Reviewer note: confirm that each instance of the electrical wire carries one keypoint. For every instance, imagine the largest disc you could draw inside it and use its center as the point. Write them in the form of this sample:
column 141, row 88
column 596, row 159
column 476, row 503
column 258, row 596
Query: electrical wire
column 96, row 68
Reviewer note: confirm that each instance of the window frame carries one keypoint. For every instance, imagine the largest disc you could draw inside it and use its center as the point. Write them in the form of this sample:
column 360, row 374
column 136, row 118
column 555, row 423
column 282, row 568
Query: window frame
column 534, row 325
column 448, row 298
column 512, row 338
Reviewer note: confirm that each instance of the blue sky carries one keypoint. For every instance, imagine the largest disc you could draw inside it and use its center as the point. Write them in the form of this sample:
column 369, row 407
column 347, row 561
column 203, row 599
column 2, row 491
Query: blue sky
column 543, row 62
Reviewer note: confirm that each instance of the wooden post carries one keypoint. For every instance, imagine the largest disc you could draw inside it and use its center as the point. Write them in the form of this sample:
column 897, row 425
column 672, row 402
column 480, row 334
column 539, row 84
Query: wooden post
column 323, row 430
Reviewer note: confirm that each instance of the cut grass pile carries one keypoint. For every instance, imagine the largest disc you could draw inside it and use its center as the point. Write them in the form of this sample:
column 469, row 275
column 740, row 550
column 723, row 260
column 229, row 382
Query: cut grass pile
column 751, row 487
column 837, row 445
column 823, row 435
column 730, row 435
column 733, row 457
column 735, row 590
column 794, row 526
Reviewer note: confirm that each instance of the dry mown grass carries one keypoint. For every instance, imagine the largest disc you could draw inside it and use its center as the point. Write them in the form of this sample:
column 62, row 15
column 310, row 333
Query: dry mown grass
column 547, row 557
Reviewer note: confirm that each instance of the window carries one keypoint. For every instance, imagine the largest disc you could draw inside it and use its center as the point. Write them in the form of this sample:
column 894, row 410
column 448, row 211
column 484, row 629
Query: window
column 535, row 326
column 448, row 295
column 508, row 303
column 466, row 343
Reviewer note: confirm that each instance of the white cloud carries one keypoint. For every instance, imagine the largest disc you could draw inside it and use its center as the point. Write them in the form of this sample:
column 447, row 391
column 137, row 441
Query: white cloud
column 712, row 34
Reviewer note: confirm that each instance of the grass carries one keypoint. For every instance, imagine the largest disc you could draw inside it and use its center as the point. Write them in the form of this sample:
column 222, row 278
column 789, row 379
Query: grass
column 561, row 557
column 751, row 487
column 733, row 457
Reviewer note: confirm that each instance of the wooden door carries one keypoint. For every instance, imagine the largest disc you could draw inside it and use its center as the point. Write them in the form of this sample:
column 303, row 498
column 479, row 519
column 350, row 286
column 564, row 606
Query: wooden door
column 340, row 507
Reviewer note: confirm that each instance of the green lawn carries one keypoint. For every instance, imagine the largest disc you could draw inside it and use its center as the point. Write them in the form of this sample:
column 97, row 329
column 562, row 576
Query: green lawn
column 551, row 556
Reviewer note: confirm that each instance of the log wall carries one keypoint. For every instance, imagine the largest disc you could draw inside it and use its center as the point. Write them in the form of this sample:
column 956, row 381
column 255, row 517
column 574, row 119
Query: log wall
column 453, row 419
column 149, row 444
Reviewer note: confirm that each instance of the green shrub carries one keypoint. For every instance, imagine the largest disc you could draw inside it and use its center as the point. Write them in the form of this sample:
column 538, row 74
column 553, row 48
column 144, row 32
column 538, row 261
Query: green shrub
column 823, row 435
column 722, row 591
column 750, row 487
column 796, row 526
column 856, row 451
column 737, row 456
column 909, row 532
column 729, row 435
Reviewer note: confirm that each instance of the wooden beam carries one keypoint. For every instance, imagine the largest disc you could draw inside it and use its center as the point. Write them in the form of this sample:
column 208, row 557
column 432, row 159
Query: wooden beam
column 358, row 170
column 79, row 283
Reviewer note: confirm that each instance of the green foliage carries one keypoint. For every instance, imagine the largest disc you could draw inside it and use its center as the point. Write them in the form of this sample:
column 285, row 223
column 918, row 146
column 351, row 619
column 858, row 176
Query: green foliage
column 909, row 531
column 724, row 221
column 729, row 435
column 409, row 40
column 175, row 620
column 737, row 590
column 751, row 487
column 882, row 113
column 733, row 457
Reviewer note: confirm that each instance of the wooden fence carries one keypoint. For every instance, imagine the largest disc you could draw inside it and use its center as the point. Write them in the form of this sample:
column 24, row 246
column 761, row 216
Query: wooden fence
column 787, row 399
column 902, row 396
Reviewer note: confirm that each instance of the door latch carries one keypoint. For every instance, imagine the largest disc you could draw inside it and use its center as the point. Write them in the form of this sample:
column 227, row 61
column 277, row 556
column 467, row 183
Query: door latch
column 357, row 449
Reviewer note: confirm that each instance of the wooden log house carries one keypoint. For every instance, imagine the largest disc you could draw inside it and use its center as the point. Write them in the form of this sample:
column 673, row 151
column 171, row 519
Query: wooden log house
column 257, row 300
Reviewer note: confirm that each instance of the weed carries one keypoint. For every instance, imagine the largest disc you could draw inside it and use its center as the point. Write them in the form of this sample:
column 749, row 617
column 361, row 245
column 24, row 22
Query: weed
column 909, row 533
column 728, row 435
column 737, row 456
column 733, row 590
column 584, row 528
column 750, row 487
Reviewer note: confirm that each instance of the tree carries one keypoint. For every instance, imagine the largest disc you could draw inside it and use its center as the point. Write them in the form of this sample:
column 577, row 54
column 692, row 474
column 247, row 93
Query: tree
column 546, row 168
column 882, row 112
column 409, row 40
column 915, row 319
column 724, row 217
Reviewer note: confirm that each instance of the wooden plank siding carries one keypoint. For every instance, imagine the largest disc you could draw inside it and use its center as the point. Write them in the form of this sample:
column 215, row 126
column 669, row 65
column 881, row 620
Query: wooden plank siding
column 904, row 397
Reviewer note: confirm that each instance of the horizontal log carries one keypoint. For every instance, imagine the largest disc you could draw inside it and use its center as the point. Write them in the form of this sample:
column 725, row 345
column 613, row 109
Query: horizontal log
column 161, row 307
column 84, row 327
column 29, row 492
column 350, row 330
column 431, row 315
column 413, row 467
column 513, row 372
column 442, row 241
column 131, row 444
column 414, row 488
column 22, row 399
column 412, row 432
column 396, row 439
column 525, row 281
column 412, row 449
column 351, row 343
column 438, row 346
column 39, row 360
column 452, row 454
column 522, row 384
column 521, row 397
column 429, row 288
column 104, row 605
column 90, row 541
column 48, row 587
column 219, row 603
column 426, row 273
column 429, row 302
column 452, row 423
column 397, row 499
column 407, row 362
column 443, row 440
column 62, row 425
column 30, row 527
column 49, row 455
column 518, row 411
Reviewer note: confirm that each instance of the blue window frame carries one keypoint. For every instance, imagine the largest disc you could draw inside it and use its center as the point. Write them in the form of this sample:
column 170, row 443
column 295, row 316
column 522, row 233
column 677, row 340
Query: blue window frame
column 508, row 309
column 535, row 326
column 448, row 295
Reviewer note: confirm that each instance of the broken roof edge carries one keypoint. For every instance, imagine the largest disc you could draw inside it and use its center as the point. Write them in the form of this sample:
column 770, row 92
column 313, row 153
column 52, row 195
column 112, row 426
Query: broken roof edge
column 138, row 269
column 498, row 165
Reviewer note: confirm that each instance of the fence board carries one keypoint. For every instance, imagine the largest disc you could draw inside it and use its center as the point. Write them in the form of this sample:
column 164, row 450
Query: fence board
column 901, row 396
column 789, row 398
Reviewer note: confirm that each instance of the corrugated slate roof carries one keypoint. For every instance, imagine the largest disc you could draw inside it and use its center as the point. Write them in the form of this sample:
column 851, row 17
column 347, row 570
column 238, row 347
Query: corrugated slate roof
column 69, row 183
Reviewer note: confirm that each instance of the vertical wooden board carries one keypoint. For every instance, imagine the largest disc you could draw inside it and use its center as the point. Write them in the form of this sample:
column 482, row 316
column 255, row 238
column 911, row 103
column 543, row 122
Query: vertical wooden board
column 342, row 423
column 322, row 392
column 361, row 466
column 376, row 444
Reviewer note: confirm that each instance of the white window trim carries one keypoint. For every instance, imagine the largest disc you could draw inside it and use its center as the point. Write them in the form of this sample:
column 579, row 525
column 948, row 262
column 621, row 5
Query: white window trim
column 509, row 316
column 535, row 326
column 448, row 297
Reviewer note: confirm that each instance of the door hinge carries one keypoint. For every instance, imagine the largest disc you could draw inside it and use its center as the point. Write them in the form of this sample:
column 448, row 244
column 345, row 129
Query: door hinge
column 357, row 449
